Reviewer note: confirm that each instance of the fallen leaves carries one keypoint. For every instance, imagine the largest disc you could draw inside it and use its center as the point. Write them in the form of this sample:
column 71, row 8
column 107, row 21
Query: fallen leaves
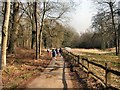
column 22, row 67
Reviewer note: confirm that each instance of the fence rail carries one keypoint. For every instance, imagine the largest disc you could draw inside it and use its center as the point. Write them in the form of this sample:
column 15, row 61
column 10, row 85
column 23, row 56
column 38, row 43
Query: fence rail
column 106, row 81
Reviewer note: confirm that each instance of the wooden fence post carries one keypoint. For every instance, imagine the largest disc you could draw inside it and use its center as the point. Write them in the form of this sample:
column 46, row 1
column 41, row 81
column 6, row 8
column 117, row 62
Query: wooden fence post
column 82, row 62
column 74, row 59
column 107, row 74
column 88, row 69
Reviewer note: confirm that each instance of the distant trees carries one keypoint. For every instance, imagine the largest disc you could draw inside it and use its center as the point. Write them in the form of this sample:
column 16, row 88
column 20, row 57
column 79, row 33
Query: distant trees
column 53, row 12
column 5, row 31
column 28, row 17
column 90, row 39
column 105, row 26
column 112, row 14
column 57, row 35
column 52, row 34
column 71, row 38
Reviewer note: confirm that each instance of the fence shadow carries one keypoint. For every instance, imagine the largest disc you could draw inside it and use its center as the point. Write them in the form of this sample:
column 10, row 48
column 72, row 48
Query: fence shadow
column 63, row 78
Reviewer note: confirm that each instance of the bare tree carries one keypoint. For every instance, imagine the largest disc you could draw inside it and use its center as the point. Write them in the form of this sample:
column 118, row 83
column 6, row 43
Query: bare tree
column 113, row 22
column 41, row 28
column 14, row 31
column 119, row 28
column 111, row 10
column 5, row 31
column 55, row 11
column 102, row 24
column 28, row 9
column 35, row 15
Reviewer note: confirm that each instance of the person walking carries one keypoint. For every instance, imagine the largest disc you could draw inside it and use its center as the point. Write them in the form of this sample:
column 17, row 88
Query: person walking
column 60, row 51
column 48, row 51
column 57, row 52
column 53, row 57
column 53, row 54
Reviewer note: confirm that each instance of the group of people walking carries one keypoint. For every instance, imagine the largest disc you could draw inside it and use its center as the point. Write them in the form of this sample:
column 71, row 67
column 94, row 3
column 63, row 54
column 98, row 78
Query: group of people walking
column 54, row 52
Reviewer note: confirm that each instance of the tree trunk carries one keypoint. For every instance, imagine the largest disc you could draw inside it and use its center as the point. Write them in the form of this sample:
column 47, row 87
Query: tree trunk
column 113, row 23
column 5, row 32
column 40, row 42
column 119, row 39
column 103, row 38
column 41, row 29
column 13, row 35
column 33, row 31
column 35, row 14
column 118, row 45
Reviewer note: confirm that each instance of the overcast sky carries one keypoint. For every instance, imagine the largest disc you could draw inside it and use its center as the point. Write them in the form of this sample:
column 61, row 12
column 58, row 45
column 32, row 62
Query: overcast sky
column 81, row 18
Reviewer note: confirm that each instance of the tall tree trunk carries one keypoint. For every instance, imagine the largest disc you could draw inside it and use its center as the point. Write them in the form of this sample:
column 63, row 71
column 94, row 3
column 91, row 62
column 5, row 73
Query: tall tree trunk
column 14, row 31
column 5, row 32
column 35, row 14
column 118, row 45
column 113, row 23
column 40, row 42
column 119, row 39
column 33, row 31
column 41, row 29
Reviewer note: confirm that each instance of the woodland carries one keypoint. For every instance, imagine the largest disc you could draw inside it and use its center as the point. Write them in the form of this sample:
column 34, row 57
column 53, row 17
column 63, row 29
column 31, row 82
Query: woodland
column 29, row 27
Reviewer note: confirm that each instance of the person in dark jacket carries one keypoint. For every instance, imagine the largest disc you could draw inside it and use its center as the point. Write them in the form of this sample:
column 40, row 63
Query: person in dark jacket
column 57, row 52
column 60, row 51
column 53, row 53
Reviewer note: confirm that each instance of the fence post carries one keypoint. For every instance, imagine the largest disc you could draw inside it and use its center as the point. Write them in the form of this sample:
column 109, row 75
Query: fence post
column 88, row 68
column 107, row 74
column 73, row 59
column 78, row 59
column 82, row 62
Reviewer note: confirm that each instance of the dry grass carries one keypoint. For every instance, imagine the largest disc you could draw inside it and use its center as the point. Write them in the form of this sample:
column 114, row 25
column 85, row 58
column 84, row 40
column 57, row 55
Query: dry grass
column 96, row 51
column 22, row 67
column 101, row 57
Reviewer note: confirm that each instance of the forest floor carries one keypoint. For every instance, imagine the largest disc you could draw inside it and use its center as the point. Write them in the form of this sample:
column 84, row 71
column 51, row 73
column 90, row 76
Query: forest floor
column 22, row 68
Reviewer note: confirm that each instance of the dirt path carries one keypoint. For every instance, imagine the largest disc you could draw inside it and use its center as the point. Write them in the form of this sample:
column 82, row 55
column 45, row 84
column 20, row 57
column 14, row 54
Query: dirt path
column 54, row 76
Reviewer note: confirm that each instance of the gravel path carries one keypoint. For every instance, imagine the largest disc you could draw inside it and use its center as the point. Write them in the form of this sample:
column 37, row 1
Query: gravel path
column 54, row 76
column 58, row 75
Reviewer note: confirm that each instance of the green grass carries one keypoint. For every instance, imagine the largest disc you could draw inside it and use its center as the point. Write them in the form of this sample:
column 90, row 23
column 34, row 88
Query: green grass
column 102, row 58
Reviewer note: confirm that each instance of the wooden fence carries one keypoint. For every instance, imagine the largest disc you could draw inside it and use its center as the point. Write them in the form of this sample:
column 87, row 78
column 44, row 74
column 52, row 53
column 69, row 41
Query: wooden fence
column 107, row 80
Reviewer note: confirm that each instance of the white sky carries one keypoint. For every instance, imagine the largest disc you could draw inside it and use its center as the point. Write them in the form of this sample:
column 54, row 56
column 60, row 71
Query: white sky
column 81, row 19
